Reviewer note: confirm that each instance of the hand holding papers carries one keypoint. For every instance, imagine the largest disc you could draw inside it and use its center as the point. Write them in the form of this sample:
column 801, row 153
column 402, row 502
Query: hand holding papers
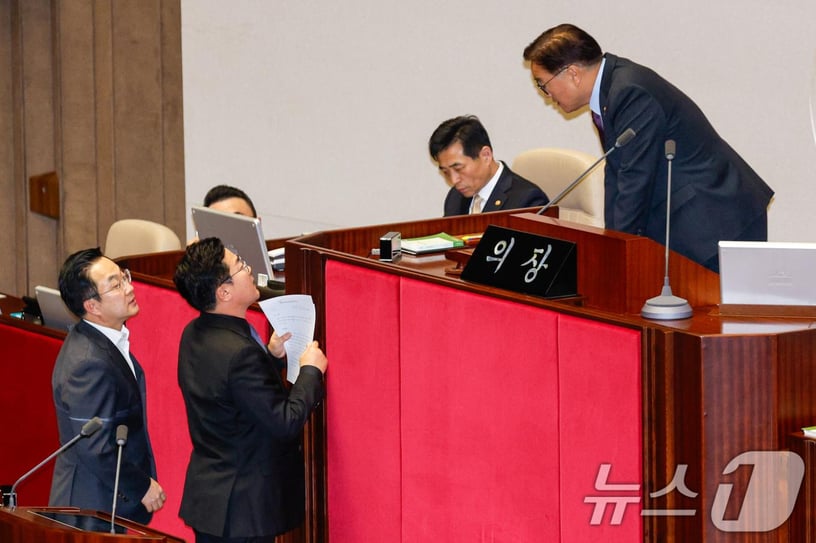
column 295, row 314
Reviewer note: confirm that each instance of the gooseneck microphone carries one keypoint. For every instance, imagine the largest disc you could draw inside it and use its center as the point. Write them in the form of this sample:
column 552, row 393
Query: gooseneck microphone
column 667, row 306
column 87, row 429
column 121, row 439
column 622, row 140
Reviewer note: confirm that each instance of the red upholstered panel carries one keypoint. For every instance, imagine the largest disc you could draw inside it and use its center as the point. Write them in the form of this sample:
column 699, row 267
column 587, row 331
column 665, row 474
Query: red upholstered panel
column 154, row 340
column 600, row 387
column 479, row 418
column 490, row 423
column 155, row 335
column 28, row 431
column 363, row 398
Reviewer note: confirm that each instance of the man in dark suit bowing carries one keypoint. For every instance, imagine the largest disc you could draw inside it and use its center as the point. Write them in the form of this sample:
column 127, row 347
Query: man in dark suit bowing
column 95, row 375
column 245, row 480
column 715, row 193
column 479, row 183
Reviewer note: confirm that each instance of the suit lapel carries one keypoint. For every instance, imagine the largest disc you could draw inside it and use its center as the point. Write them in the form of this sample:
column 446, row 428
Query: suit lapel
column 140, row 380
column 499, row 195
column 606, row 83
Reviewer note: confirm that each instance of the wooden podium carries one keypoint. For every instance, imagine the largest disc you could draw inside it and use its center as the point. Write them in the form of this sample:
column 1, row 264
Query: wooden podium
column 65, row 524
column 417, row 354
column 699, row 391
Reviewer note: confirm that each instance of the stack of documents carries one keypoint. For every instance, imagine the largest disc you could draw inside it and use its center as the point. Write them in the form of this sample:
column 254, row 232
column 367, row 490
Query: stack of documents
column 430, row 244
column 292, row 313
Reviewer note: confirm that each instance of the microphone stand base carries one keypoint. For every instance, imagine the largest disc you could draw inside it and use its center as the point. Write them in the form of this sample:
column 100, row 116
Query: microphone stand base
column 666, row 308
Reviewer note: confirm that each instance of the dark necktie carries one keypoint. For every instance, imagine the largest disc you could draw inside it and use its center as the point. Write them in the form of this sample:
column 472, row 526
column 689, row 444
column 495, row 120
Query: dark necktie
column 596, row 119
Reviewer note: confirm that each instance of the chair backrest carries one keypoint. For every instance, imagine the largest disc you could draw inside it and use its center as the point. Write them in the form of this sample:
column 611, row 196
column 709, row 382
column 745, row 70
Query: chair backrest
column 137, row 236
column 554, row 169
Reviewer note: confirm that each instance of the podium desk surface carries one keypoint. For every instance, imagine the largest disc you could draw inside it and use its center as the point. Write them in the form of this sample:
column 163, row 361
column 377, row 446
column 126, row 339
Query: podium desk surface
column 67, row 524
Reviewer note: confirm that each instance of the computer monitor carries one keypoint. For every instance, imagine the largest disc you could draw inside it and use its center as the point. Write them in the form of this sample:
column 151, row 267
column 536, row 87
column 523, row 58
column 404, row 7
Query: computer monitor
column 243, row 235
column 54, row 312
column 767, row 273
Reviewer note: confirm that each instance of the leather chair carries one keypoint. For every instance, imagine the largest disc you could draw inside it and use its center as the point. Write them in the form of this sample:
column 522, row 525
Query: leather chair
column 136, row 236
column 554, row 169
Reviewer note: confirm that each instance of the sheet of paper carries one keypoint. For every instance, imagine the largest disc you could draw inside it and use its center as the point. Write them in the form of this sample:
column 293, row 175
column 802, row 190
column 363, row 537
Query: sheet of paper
column 293, row 313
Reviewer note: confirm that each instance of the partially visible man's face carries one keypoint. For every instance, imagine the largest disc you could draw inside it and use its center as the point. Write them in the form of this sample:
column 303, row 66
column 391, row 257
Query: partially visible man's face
column 242, row 279
column 561, row 87
column 117, row 300
column 233, row 205
column 467, row 175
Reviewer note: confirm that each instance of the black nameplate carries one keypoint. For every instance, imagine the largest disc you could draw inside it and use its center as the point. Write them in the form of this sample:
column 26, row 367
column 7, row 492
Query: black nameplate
column 525, row 263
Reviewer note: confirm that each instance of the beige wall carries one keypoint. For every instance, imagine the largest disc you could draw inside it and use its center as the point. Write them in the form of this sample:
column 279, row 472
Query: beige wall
column 92, row 90
column 331, row 103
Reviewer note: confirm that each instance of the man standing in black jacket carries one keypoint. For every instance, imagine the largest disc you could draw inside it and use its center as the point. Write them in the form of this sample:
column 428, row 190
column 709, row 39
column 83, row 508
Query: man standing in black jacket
column 245, row 480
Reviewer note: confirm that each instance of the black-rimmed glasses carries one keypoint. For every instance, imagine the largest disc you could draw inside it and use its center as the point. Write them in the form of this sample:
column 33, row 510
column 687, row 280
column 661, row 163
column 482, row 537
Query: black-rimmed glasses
column 543, row 86
column 244, row 266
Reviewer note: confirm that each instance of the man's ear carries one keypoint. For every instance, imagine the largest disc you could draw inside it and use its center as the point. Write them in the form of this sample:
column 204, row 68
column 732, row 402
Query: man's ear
column 91, row 306
column 223, row 293
column 576, row 74
column 486, row 153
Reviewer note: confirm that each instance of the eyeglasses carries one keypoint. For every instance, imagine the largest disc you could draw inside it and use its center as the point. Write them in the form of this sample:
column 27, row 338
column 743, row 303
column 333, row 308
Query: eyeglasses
column 244, row 266
column 124, row 279
column 543, row 86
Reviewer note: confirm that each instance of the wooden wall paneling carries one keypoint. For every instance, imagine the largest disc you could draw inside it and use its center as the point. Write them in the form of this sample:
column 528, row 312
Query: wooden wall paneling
column 8, row 186
column 94, row 92
column 38, row 233
column 77, row 137
column 138, row 112
column 104, row 115
column 175, row 215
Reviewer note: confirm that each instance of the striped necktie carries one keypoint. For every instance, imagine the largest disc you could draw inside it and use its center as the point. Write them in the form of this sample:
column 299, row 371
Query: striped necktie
column 477, row 204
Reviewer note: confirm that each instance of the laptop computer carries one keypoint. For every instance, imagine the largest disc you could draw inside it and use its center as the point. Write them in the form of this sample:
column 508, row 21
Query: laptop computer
column 767, row 273
column 242, row 235
column 54, row 312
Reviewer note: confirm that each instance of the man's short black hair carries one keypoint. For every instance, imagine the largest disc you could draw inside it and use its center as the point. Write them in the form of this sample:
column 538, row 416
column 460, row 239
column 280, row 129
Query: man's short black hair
column 200, row 272
column 223, row 192
column 466, row 129
column 75, row 283
column 561, row 46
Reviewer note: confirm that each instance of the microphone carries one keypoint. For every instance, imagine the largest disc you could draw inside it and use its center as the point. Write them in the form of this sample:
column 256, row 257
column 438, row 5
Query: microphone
column 88, row 429
column 667, row 306
column 121, row 439
column 622, row 140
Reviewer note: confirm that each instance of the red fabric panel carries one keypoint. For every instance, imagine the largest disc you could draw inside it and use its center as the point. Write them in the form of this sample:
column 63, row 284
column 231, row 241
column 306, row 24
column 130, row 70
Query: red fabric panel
column 154, row 340
column 362, row 405
column 155, row 336
column 600, row 388
column 479, row 418
column 29, row 425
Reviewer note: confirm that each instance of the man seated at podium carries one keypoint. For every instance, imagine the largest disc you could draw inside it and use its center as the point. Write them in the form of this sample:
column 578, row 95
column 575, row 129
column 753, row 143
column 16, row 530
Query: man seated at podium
column 230, row 200
column 462, row 150
column 245, row 480
column 715, row 194
column 95, row 375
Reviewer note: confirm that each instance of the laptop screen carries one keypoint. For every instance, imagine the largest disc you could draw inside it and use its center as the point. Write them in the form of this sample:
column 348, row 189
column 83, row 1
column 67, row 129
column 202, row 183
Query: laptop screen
column 767, row 273
column 243, row 235
column 54, row 312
